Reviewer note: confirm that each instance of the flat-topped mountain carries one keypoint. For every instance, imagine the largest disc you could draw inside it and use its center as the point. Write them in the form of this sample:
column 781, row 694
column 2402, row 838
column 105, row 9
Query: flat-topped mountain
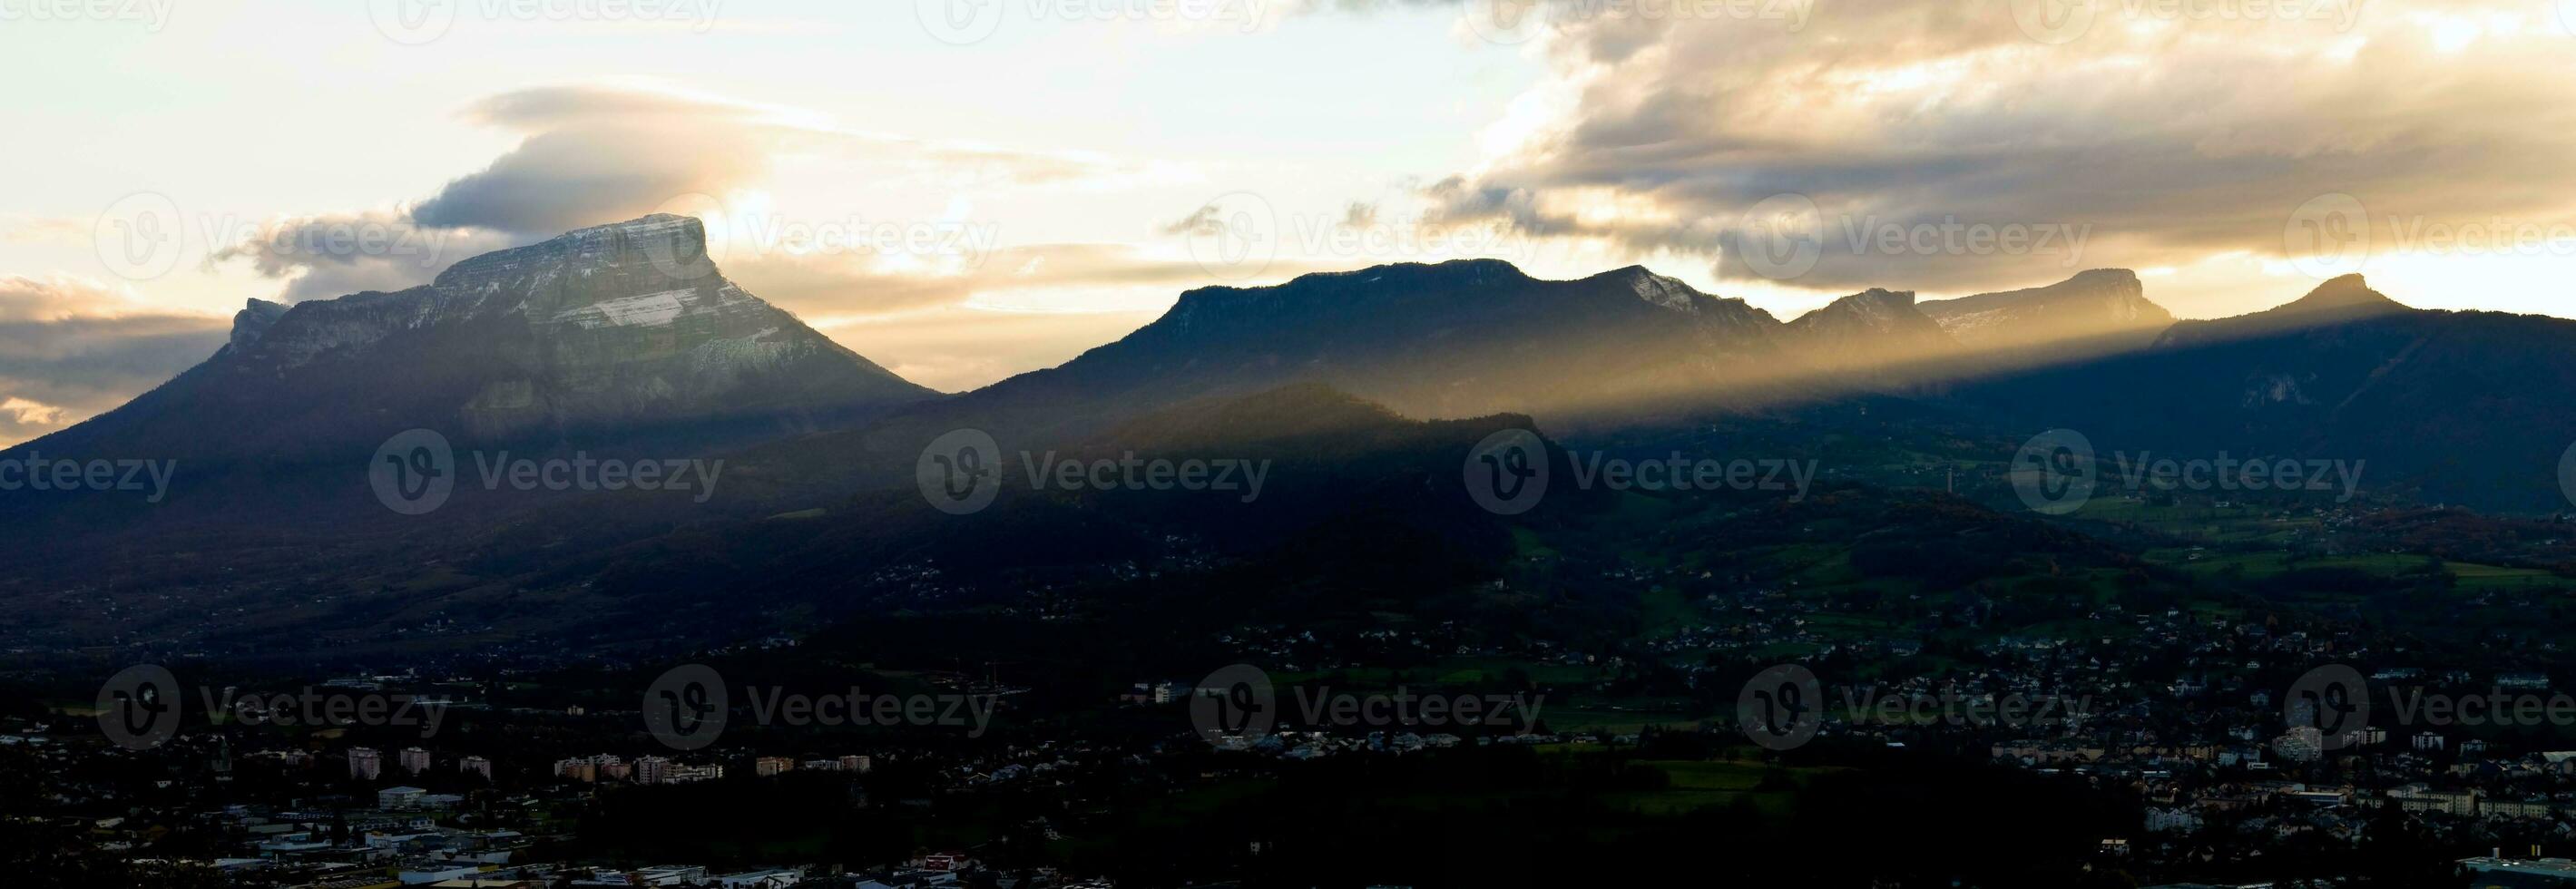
column 2090, row 307
column 605, row 331
column 1458, row 339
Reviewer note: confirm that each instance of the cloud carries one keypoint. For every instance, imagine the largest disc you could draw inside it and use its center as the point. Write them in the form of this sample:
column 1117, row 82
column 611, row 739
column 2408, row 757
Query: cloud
column 601, row 153
column 2167, row 140
column 71, row 348
column 857, row 286
column 25, row 229
column 332, row 255
column 598, row 153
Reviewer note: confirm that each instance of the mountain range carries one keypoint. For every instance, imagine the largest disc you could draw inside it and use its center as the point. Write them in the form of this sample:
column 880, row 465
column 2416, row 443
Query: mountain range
column 1362, row 392
column 627, row 334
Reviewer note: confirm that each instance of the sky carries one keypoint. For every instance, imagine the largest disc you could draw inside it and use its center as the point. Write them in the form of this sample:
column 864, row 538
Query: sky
column 968, row 189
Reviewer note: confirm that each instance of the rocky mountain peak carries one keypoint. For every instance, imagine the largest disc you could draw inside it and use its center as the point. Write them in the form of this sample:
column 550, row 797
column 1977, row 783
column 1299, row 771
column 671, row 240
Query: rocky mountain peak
column 2347, row 293
column 1876, row 308
column 602, row 331
column 1659, row 290
column 254, row 320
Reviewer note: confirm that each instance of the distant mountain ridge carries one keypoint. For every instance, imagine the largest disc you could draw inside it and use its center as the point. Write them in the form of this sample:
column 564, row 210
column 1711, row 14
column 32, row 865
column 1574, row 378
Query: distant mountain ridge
column 2446, row 406
column 627, row 327
column 1458, row 339
column 2094, row 303
column 1470, row 338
